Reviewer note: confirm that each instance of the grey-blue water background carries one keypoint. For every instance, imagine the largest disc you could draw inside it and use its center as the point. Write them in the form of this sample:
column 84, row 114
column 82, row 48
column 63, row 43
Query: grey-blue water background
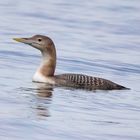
column 95, row 37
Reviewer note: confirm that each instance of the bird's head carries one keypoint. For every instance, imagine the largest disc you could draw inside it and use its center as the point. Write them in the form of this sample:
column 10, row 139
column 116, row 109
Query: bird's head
column 40, row 42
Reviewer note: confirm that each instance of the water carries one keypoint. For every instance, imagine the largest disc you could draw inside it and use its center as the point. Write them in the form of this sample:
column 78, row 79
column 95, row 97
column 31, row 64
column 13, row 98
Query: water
column 99, row 38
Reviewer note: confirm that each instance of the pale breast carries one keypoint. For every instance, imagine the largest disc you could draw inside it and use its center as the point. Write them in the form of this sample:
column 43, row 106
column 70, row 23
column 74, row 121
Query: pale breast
column 38, row 77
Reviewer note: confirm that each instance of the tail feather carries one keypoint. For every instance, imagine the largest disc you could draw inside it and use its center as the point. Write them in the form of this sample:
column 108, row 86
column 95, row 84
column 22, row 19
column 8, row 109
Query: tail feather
column 122, row 87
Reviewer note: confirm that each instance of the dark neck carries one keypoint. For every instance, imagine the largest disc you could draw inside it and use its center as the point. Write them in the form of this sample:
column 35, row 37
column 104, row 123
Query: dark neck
column 48, row 64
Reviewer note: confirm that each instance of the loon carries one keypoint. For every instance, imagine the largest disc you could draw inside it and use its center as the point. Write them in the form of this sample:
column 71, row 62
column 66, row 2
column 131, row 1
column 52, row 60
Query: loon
column 45, row 72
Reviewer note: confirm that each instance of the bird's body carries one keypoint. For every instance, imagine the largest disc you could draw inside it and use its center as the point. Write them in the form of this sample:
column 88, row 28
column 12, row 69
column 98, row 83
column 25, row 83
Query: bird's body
column 45, row 72
column 86, row 82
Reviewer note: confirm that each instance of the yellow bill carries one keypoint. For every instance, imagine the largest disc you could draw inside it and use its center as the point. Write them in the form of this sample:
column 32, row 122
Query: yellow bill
column 18, row 39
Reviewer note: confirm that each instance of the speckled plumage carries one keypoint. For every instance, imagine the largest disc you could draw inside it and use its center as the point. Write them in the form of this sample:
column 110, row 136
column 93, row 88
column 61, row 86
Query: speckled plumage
column 86, row 82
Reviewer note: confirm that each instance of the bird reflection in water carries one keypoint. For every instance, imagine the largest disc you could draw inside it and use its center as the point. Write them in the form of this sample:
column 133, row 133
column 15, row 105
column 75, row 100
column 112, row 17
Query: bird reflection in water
column 44, row 90
column 44, row 96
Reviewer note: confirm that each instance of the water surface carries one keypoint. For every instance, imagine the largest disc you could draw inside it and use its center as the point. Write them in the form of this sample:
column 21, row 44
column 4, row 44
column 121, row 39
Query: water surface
column 99, row 38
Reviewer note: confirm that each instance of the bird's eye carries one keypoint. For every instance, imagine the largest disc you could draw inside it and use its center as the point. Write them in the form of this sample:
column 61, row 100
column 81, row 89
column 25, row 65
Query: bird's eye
column 39, row 39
